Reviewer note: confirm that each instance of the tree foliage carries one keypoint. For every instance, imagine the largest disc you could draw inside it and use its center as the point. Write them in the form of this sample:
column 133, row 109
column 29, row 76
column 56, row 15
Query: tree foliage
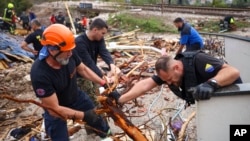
column 20, row 5
column 241, row 3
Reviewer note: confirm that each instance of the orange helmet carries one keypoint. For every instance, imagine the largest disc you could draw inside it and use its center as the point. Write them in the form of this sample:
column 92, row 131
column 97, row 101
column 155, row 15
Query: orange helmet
column 60, row 36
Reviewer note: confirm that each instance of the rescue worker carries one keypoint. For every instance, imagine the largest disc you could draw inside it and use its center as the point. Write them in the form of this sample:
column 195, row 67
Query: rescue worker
column 189, row 36
column 89, row 46
column 9, row 18
column 67, row 22
column 32, row 15
column 25, row 20
column 84, row 22
column 191, row 76
column 33, row 38
column 60, row 18
column 228, row 23
column 53, row 77
column 52, row 19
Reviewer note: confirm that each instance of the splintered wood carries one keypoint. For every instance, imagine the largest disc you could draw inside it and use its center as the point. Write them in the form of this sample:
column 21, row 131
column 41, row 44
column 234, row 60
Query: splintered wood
column 169, row 45
column 109, row 107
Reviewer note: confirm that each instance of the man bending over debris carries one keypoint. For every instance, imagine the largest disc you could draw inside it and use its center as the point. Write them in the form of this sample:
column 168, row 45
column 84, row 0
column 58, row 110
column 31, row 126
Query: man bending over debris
column 33, row 38
column 191, row 76
column 89, row 46
column 189, row 36
column 53, row 77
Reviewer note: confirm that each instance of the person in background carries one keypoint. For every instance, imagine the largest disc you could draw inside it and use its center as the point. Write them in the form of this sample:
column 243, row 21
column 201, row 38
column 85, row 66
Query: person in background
column 52, row 19
column 9, row 18
column 89, row 46
column 60, row 18
column 32, row 15
column 84, row 22
column 228, row 23
column 67, row 22
column 24, row 18
column 189, row 36
column 33, row 38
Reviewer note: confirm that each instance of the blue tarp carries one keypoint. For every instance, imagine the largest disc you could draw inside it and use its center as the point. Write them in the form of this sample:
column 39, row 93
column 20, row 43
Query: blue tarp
column 12, row 44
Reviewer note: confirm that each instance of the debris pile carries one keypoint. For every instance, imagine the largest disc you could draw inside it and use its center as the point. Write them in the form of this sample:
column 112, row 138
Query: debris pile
column 135, row 64
column 11, row 51
column 130, row 39
column 168, row 45
column 16, row 79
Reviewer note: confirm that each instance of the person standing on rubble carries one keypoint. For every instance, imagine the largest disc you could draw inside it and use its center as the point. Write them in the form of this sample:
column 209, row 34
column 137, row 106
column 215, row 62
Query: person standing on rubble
column 190, row 75
column 89, row 46
column 9, row 18
column 189, row 36
column 52, row 19
column 32, row 15
column 25, row 20
column 33, row 38
column 84, row 22
column 60, row 18
column 53, row 77
column 67, row 22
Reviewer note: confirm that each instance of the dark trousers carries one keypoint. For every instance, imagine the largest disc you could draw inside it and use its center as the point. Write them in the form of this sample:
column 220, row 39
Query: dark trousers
column 56, row 128
column 10, row 26
column 193, row 47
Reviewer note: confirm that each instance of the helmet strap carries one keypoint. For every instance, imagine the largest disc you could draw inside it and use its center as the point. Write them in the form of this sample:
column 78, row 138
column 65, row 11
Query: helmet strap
column 54, row 57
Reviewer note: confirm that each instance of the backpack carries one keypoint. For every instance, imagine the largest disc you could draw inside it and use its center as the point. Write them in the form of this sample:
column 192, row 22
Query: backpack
column 190, row 79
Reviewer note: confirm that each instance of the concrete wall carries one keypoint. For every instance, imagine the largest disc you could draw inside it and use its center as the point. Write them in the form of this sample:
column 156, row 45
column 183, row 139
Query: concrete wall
column 237, row 53
column 215, row 116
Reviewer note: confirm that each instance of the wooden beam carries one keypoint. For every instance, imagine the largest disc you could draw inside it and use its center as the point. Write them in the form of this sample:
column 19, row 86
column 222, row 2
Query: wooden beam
column 70, row 18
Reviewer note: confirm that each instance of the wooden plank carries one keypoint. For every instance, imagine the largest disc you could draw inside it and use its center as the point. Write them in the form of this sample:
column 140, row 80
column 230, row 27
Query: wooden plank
column 27, row 59
column 136, row 67
column 2, row 66
column 13, row 56
column 121, row 35
column 70, row 18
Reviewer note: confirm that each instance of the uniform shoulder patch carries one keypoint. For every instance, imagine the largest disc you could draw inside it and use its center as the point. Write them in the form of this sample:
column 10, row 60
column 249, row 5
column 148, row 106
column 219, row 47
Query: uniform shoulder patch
column 209, row 68
column 40, row 92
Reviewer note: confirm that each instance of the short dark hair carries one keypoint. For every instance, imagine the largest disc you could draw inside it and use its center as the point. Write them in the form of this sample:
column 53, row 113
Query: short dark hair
column 99, row 24
column 163, row 63
column 178, row 20
column 35, row 22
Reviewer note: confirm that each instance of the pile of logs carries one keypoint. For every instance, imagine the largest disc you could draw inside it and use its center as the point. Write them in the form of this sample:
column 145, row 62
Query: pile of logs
column 169, row 45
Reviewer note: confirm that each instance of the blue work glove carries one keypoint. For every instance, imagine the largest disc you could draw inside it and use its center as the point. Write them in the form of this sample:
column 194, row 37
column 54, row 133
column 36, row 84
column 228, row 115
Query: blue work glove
column 115, row 95
column 203, row 91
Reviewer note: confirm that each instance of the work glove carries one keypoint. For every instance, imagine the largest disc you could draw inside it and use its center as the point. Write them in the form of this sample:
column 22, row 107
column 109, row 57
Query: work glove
column 202, row 91
column 115, row 95
column 90, row 117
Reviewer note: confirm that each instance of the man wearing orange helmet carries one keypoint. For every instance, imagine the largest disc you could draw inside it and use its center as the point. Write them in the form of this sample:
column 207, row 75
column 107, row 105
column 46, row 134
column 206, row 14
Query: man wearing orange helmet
column 53, row 77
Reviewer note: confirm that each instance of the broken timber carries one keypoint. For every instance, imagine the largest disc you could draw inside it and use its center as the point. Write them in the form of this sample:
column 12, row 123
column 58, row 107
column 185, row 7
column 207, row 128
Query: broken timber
column 120, row 119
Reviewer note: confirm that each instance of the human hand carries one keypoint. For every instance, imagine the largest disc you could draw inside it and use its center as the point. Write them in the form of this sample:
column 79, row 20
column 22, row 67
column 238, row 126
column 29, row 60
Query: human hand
column 115, row 95
column 202, row 91
column 90, row 116
column 34, row 52
column 114, row 69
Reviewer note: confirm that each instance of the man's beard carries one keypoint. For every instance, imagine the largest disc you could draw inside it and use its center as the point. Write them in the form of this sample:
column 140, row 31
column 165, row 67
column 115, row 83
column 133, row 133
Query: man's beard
column 62, row 61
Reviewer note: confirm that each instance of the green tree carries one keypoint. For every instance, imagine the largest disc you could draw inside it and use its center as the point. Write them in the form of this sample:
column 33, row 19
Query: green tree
column 20, row 5
column 241, row 3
